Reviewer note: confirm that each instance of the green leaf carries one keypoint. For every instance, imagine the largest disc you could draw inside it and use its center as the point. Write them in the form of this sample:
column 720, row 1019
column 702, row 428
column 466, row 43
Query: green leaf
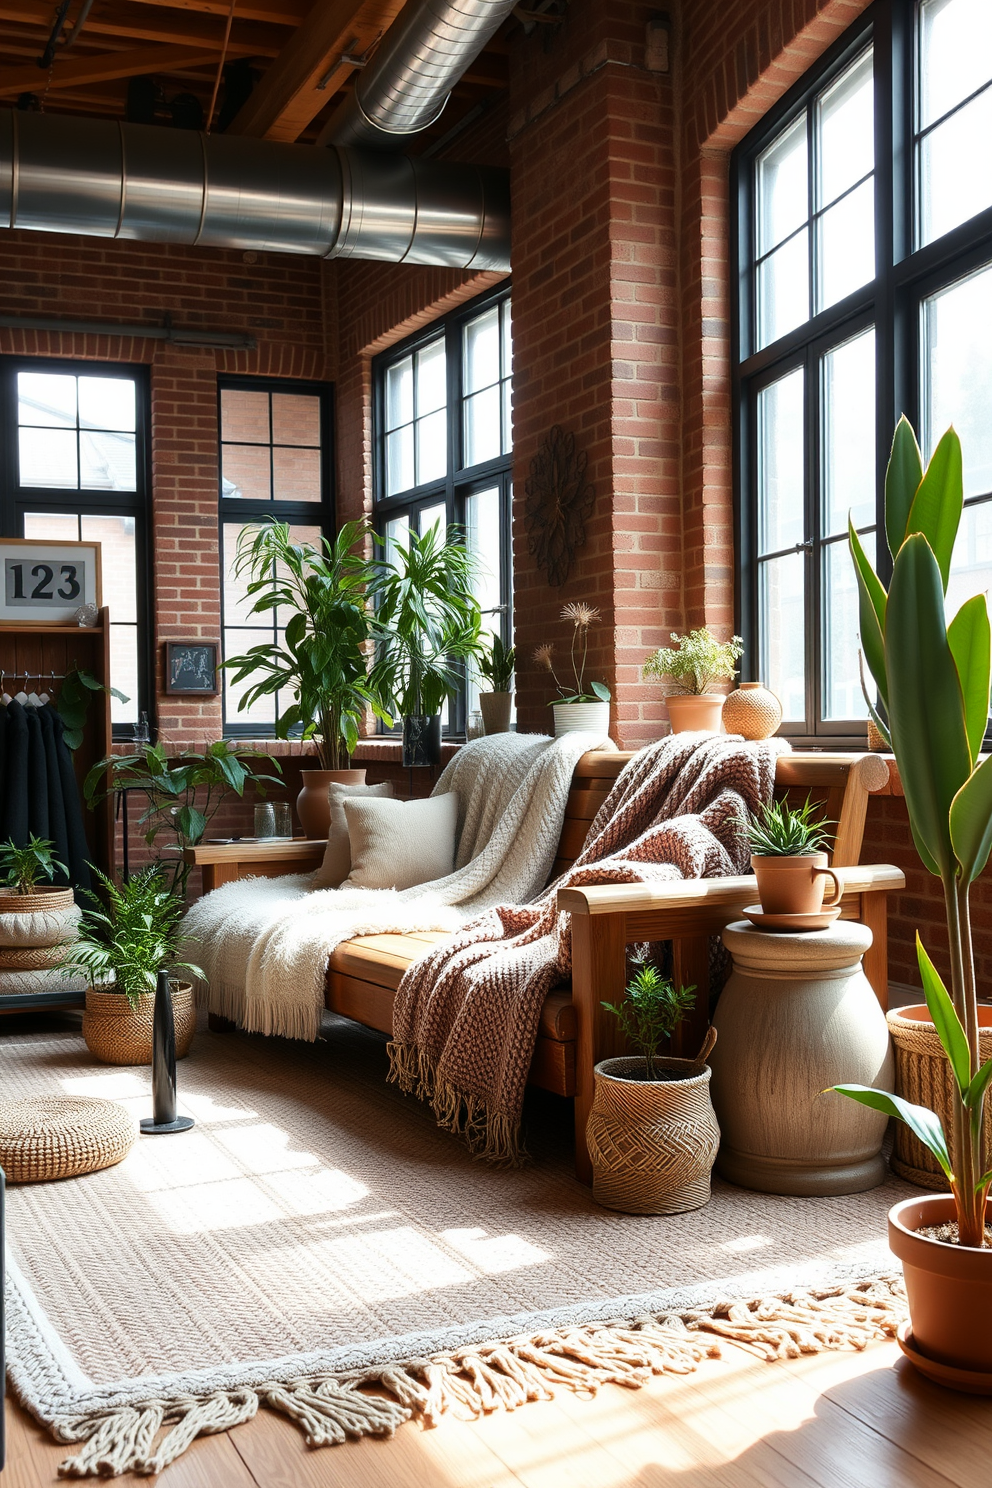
column 601, row 690
column 968, row 636
column 873, row 713
column 902, row 479
column 922, row 1122
column 975, row 1094
column 924, row 704
column 953, row 1038
column 191, row 823
column 936, row 509
column 971, row 821
column 872, row 605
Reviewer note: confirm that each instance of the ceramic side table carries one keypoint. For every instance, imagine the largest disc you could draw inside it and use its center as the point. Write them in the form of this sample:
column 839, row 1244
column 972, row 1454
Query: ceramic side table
column 798, row 1015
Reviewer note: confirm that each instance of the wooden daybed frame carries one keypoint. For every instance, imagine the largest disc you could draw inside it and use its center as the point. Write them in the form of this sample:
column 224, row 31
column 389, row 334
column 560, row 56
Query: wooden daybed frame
column 575, row 1032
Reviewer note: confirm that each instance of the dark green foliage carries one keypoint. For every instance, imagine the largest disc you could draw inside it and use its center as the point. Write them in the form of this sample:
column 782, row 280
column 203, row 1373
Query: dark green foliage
column 652, row 1009
column 21, row 867
column 778, row 831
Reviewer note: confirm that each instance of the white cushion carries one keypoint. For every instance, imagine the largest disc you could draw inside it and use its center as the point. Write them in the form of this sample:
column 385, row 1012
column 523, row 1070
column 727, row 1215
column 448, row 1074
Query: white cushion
column 337, row 854
column 396, row 844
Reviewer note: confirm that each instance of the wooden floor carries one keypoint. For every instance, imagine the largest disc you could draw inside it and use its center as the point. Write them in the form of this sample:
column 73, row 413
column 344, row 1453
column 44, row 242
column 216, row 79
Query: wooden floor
column 830, row 1421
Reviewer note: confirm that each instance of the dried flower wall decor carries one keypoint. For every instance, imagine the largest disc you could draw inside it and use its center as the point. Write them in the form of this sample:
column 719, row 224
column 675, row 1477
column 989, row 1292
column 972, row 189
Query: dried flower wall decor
column 559, row 503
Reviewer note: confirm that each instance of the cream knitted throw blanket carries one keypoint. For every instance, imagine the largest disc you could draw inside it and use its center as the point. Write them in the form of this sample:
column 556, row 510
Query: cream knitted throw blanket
column 466, row 1015
column 264, row 943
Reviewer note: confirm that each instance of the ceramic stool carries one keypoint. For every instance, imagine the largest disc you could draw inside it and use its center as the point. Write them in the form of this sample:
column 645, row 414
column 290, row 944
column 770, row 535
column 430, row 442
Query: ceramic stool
column 798, row 1015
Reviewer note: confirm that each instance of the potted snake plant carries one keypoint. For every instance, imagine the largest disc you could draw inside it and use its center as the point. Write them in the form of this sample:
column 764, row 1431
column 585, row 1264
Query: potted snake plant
column 495, row 666
column 789, row 859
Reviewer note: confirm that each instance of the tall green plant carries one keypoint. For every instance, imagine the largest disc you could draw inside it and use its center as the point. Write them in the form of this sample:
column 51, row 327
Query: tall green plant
column 933, row 680
column 427, row 622
column 323, row 660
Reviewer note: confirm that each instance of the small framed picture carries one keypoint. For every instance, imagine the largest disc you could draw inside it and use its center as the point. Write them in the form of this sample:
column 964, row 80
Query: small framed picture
column 191, row 667
column 47, row 581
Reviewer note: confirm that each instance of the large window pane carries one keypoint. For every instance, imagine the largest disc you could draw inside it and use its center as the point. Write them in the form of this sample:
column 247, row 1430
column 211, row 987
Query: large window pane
column 238, row 642
column 482, row 351
column 399, row 460
column 107, row 461
column 846, row 256
column 956, row 168
column 296, row 419
column 482, row 426
column 244, row 416
column 399, row 393
column 246, row 471
column 482, row 531
column 47, row 457
column 106, row 403
column 848, row 441
column 782, row 626
column 781, row 464
column 432, row 447
column 47, row 399
column 955, row 53
column 432, row 378
column 783, row 187
column 846, row 145
column 295, row 474
column 972, row 571
column 957, row 373
column 783, row 289
column 842, row 694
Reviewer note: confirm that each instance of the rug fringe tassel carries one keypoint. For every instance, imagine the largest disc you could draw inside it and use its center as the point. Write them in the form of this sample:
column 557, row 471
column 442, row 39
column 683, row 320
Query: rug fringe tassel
column 481, row 1378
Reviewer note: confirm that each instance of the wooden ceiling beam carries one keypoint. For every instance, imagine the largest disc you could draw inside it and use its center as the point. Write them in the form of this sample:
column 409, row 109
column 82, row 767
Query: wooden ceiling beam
column 73, row 72
column 288, row 13
column 289, row 95
column 171, row 28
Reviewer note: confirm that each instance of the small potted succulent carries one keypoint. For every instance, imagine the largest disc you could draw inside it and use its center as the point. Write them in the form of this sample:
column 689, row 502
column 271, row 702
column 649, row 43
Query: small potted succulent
column 652, row 1134
column 36, row 919
column 495, row 666
column 127, row 934
column 692, row 665
column 789, row 859
column 582, row 705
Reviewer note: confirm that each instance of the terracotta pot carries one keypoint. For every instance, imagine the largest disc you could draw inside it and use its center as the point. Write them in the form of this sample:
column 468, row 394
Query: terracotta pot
column 752, row 711
column 421, row 740
column 652, row 1142
column 495, row 708
column 949, row 1288
column 116, row 1033
column 924, row 1077
column 795, row 885
column 695, row 712
column 312, row 804
column 590, row 718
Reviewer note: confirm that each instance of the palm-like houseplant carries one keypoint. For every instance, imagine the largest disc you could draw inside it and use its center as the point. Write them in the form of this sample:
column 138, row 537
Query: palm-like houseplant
column 428, row 623
column 933, row 682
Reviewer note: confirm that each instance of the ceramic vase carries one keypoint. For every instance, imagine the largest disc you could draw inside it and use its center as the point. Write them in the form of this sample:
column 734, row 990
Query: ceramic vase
column 421, row 740
column 692, row 712
column 752, row 711
column 313, row 806
column 590, row 718
column 495, row 708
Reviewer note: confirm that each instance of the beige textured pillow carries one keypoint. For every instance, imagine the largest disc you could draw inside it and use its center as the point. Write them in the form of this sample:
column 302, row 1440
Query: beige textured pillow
column 396, row 844
column 337, row 854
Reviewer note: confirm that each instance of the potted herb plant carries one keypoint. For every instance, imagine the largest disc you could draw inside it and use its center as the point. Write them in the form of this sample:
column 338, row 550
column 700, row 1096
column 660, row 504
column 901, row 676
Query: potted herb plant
column 36, row 919
column 933, row 682
column 580, row 705
column 789, row 859
column 495, row 666
column 692, row 665
column 127, row 933
column 652, row 1134
column 322, row 661
column 427, row 623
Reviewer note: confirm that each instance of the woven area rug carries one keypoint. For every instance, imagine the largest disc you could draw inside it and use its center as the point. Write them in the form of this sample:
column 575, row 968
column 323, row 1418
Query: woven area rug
column 317, row 1234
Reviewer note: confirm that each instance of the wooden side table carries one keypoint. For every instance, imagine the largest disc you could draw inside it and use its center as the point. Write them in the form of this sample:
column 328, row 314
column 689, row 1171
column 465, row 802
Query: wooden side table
column 223, row 862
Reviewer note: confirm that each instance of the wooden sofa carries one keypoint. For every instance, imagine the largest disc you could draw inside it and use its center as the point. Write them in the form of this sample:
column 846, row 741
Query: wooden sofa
column 363, row 974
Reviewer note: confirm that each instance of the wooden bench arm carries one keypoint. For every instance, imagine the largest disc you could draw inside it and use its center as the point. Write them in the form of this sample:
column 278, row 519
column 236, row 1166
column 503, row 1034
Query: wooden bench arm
column 223, row 862
column 685, row 894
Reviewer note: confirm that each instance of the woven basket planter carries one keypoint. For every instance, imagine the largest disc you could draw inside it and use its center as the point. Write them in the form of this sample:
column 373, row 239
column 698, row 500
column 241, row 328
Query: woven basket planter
column 653, row 1143
column 42, row 901
column 35, row 931
column 32, row 958
column 116, row 1033
column 923, row 1076
column 51, row 1137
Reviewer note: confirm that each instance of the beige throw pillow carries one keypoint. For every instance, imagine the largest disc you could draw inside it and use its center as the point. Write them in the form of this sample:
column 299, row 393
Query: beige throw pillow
column 396, row 844
column 337, row 854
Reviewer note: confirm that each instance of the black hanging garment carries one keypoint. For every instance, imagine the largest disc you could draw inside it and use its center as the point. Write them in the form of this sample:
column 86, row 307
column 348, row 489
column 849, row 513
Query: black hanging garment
column 37, row 778
column 15, row 777
column 57, row 830
column 78, row 854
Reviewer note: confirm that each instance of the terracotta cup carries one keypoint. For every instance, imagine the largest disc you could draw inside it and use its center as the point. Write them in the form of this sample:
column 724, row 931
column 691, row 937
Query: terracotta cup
column 795, row 885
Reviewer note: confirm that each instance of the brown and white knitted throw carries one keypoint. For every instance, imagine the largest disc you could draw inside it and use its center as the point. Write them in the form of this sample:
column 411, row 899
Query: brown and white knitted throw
column 466, row 1016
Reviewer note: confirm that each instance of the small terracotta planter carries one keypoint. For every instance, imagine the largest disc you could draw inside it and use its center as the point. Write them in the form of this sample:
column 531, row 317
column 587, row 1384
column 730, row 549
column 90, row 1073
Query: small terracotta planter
column 949, row 1336
column 695, row 712
column 312, row 804
column 116, row 1033
column 795, row 885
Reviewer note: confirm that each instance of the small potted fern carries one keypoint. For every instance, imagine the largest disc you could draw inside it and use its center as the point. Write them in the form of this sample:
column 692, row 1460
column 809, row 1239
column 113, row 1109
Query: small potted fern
column 652, row 1134
column 692, row 666
column 789, row 859
column 495, row 666
column 128, row 932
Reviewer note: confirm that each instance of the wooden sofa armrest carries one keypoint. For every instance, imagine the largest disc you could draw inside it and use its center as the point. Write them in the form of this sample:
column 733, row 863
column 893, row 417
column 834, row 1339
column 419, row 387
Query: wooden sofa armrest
column 702, row 893
column 223, row 862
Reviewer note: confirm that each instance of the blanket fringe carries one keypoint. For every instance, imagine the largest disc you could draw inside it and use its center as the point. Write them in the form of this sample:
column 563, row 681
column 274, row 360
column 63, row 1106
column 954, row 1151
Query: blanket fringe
column 487, row 1134
column 481, row 1378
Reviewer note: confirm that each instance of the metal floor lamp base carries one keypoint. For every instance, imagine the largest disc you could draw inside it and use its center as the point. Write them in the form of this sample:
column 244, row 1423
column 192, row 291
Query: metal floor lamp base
column 153, row 1128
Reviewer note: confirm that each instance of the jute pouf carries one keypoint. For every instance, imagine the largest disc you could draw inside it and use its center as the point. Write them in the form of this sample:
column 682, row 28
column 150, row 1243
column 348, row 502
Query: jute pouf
column 62, row 1137
column 923, row 1076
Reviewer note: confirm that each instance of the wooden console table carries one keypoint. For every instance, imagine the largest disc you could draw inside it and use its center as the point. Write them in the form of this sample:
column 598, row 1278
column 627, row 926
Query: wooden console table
column 223, row 862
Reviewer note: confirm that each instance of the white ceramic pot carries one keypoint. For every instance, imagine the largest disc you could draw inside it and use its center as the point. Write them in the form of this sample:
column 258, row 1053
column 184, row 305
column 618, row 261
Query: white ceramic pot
column 591, row 718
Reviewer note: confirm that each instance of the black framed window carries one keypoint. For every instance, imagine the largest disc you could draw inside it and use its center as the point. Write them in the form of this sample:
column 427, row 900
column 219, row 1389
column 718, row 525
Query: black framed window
column 442, row 450
column 864, row 244
column 74, row 440
column 275, row 462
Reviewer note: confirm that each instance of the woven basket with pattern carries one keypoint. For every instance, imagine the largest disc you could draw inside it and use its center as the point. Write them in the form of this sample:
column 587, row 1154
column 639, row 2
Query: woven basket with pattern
column 652, row 1143
column 923, row 1076
column 119, row 1034
column 61, row 1137
column 31, row 958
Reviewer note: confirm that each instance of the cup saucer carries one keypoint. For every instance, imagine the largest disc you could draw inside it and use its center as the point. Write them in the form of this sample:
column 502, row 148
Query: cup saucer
column 763, row 921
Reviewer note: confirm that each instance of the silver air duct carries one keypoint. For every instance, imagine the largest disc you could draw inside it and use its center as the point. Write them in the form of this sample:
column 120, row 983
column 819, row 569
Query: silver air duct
column 107, row 179
column 406, row 86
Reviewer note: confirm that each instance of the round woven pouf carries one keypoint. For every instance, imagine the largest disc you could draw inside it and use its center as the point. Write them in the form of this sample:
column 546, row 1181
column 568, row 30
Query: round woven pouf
column 62, row 1137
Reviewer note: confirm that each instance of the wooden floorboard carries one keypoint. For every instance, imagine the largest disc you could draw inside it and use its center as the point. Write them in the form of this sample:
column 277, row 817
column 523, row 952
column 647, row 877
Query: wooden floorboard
column 838, row 1420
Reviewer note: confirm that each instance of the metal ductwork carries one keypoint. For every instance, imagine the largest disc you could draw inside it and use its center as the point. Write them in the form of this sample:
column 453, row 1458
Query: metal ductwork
column 108, row 179
column 406, row 86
